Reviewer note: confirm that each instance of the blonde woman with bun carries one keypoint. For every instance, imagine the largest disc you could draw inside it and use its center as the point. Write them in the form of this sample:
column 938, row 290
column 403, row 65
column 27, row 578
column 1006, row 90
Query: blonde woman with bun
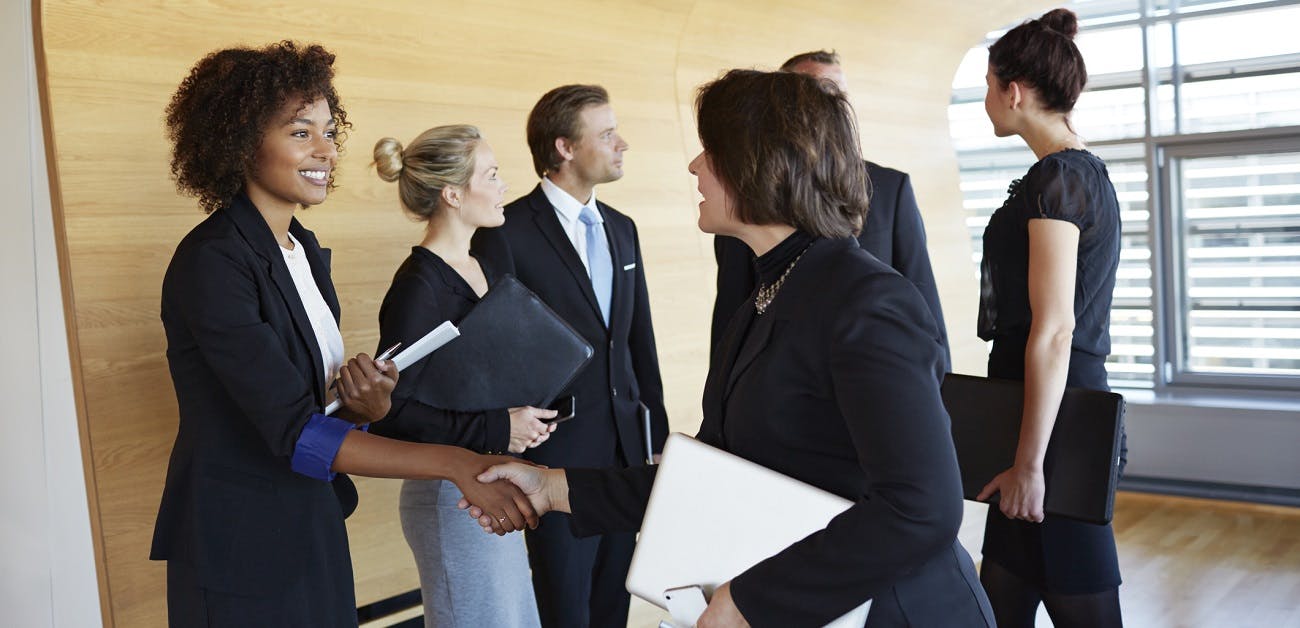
column 1050, row 256
column 447, row 177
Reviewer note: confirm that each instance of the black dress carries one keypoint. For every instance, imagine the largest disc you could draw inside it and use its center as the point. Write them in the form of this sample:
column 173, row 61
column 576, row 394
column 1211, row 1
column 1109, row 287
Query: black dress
column 1059, row 555
column 425, row 292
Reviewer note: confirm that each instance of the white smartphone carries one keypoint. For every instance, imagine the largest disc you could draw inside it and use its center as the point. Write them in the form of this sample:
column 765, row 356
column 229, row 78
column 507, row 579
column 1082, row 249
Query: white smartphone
column 686, row 604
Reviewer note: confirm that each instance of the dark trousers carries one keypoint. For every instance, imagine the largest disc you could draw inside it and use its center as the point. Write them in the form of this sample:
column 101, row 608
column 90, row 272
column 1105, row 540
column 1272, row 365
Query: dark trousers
column 579, row 583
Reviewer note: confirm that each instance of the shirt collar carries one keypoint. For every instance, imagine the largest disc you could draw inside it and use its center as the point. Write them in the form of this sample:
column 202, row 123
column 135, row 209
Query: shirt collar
column 564, row 203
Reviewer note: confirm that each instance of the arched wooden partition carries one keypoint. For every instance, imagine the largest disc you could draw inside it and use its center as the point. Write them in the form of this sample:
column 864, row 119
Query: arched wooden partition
column 109, row 69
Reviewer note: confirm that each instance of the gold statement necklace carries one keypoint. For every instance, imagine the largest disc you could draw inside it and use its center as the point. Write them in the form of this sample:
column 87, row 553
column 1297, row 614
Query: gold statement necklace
column 766, row 293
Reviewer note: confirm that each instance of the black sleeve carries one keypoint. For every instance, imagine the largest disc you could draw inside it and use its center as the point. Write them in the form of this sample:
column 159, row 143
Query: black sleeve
column 409, row 311
column 735, row 283
column 216, row 297
column 912, row 258
column 883, row 362
column 645, row 357
column 608, row 500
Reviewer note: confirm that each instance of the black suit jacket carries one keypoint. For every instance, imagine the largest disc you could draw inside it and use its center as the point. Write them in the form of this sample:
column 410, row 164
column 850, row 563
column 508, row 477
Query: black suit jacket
column 248, row 374
column 624, row 369
column 893, row 232
column 837, row 385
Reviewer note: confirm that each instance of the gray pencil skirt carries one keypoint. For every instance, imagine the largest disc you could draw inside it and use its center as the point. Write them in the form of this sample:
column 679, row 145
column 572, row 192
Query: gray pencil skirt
column 468, row 578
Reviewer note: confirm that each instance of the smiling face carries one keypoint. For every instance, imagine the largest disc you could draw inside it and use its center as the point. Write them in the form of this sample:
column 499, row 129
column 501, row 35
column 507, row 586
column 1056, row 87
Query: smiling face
column 484, row 194
column 596, row 155
column 716, row 213
column 293, row 163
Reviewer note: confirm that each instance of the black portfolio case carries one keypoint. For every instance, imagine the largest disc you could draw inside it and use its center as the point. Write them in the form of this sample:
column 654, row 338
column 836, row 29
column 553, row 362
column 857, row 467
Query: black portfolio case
column 513, row 351
column 1082, row 463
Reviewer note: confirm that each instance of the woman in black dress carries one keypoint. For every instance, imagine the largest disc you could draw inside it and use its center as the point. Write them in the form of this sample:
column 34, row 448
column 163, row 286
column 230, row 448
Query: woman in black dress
column 1050, row 254
column 829, row 374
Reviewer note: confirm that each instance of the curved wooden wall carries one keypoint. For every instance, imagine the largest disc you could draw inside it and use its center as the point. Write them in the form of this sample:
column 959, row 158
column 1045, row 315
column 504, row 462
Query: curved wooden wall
column 405, row 66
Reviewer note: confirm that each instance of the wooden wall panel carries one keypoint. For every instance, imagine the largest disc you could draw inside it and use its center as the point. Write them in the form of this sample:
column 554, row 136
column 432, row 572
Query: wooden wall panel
column 406, row 65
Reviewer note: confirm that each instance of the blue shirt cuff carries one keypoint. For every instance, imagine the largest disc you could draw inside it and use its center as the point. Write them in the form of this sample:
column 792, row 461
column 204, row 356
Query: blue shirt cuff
column 313, row 455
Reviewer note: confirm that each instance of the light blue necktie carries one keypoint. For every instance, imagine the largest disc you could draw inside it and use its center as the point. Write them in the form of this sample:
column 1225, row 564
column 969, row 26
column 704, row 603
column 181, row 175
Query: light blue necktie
column 599, row 266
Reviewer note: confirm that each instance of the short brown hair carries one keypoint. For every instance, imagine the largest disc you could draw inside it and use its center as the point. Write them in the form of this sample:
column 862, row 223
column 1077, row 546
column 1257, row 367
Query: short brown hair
column 1041, row 54
column 556, row 116
column 787, row 149
column 220, row 112
column 824, row 57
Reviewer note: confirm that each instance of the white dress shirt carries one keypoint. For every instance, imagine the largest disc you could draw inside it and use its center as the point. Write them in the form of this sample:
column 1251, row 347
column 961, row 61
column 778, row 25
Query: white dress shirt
column 567, row 209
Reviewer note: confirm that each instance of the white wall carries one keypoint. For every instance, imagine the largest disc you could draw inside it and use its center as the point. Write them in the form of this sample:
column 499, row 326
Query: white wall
column 47, row 566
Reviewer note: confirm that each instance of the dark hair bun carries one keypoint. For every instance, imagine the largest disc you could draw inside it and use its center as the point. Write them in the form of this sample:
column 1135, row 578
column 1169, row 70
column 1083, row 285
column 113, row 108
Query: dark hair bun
column 1063, row 21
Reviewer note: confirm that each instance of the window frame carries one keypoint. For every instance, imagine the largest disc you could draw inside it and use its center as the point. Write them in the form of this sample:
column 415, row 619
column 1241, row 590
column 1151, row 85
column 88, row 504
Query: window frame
column 1172, row 272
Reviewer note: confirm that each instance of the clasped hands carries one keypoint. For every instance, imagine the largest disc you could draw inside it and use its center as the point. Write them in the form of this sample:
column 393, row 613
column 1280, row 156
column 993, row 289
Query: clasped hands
column 548, row 489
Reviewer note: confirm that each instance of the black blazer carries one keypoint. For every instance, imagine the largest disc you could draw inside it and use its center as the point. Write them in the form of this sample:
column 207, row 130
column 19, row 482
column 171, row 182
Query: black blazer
column 248, row 374
column 893, row 232
column 425, row 292
column 837, row 385
column 624, row 369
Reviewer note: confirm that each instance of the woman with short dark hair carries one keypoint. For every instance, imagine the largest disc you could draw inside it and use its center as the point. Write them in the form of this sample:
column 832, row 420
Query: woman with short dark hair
column 1050, row 256
column 251, row 519
column 829, row 375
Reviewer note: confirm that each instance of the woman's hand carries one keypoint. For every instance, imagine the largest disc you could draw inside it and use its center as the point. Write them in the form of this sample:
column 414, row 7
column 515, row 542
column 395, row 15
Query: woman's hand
column 365, row 386
column 545, row 489
column 526, row 428
column 1021, row 493
column 722, row 611
column 503, row 507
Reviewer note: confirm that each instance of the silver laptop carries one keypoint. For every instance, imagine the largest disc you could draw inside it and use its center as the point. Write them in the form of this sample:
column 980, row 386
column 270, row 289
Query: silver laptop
column 713, row 514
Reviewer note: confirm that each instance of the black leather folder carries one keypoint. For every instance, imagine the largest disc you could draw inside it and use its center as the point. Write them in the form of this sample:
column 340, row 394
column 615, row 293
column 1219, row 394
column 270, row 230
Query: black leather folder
column 512, row 351
column 1081, row 468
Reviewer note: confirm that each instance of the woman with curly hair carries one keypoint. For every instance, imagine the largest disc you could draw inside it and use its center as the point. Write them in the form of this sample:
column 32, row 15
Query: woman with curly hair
column 1050, row 256
column 251, row 520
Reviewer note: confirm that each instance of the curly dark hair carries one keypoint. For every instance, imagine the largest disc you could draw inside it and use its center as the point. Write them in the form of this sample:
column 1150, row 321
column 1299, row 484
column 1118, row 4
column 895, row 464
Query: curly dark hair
column 220, row 112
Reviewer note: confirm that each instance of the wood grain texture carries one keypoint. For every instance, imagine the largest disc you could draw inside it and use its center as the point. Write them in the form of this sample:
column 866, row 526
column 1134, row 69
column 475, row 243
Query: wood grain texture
column 403, row 66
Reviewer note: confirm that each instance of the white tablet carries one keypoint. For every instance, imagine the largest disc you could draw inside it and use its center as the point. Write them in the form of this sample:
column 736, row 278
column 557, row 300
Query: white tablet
column 689, row 536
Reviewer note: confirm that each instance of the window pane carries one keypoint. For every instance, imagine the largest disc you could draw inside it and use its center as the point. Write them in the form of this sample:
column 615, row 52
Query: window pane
column 1241, row 103
column 1111, row 50
column 1111, row 114
column 1240, row 228
column 1243, row 35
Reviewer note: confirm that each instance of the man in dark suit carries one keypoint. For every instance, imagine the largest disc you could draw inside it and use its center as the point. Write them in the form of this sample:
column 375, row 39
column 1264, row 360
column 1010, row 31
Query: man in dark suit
column 893, row 230
column 583, row 259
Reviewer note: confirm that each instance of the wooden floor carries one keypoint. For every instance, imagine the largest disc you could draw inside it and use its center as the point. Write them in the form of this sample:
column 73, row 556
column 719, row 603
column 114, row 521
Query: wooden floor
column 1187, row 563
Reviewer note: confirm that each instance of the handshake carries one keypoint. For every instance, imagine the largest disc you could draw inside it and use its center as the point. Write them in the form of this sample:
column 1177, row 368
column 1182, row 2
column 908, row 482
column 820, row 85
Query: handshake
column 513, row 494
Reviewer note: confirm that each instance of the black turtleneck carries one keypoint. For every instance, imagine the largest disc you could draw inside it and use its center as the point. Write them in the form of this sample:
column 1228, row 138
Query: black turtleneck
column 772, row 264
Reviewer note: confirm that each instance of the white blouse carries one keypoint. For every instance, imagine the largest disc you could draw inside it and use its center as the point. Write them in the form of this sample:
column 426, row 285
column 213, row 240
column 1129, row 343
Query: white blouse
column 318, row 312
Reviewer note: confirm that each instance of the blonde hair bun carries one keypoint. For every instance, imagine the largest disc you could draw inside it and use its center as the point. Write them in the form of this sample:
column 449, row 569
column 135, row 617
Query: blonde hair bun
column 388, row 159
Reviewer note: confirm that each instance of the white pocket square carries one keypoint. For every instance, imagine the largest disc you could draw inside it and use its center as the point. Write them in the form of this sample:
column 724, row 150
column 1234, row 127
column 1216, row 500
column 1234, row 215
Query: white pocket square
column 630, row 266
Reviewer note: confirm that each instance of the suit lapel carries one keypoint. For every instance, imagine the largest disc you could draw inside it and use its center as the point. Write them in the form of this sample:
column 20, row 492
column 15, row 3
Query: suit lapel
column 754, row 343
column 255, row 230
column 549, row 224
column 617, row 255
column 319, row 260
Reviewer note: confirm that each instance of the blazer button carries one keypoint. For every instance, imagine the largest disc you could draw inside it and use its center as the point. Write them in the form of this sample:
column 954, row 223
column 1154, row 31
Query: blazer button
column 613, row 391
